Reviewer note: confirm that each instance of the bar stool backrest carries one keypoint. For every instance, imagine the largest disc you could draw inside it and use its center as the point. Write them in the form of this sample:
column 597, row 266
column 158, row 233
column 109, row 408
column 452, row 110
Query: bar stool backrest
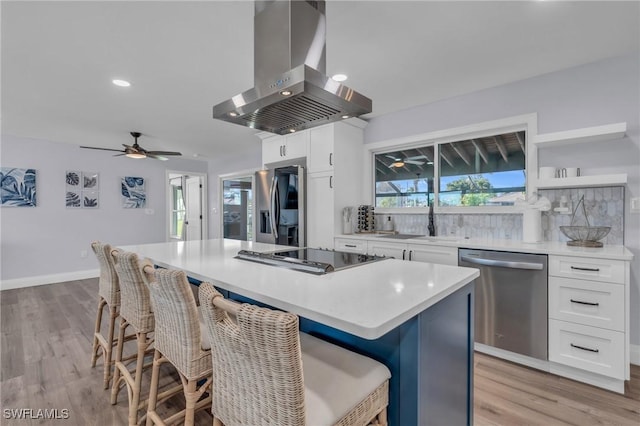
column 177, row 327
column 135, row 301
column 108, row 284
column 258, row 378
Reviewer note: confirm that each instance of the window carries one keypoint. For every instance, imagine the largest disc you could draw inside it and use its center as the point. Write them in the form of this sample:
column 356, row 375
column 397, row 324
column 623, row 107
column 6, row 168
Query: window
column 488, row 171
column 178, row 209
column 482, row 171
column 405, row 178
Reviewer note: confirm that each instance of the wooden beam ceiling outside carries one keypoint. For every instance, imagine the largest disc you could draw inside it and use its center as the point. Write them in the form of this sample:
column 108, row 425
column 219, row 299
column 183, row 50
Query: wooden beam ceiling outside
column 501, row 148
column 521, row 141
column 445, row 156
column 482, row 151
column 459, row 149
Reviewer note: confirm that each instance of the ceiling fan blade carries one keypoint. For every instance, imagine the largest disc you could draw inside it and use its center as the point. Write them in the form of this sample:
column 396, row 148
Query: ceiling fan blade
column 163, row 153
column 157, row 157
column 119, row 155
column 392, row 157
column 416, row 157
column 419, row 163
column 102, row 149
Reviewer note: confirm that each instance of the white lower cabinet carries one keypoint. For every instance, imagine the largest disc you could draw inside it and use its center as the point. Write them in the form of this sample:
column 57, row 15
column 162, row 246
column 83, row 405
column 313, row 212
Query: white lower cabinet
column 415, row 252
column 589, row 316
column 433, row 254
column 590, row 348
column 351, row 245
column 383, row 248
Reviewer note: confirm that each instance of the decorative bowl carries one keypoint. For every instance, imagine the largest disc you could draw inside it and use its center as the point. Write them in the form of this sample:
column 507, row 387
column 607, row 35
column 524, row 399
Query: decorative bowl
column 585, row 236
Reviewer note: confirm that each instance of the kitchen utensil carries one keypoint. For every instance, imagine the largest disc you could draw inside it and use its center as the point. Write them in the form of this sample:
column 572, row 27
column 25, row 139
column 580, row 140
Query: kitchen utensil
column 584, row 236
column 572, row 171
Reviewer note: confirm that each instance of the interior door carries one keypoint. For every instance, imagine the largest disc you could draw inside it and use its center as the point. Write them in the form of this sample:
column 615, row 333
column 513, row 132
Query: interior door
column 194, row 209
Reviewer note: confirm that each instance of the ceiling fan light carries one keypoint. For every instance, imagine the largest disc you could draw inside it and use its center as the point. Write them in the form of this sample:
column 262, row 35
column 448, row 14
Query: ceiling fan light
column 398, row 164
column 136, row 155
column 121, row 83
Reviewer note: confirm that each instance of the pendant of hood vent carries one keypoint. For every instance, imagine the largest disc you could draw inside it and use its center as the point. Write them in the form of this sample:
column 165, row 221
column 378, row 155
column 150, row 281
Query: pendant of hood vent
column 291, row 89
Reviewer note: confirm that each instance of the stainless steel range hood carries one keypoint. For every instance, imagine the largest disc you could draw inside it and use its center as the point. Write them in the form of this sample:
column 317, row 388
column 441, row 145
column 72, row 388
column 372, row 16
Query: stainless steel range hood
column 291, row 90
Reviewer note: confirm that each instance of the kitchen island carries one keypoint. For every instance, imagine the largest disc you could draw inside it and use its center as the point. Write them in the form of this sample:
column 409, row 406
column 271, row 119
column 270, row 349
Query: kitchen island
column 416, row 318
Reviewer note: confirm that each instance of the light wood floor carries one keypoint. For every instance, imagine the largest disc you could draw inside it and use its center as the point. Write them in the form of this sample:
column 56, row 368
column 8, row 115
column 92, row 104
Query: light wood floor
column 45, row 363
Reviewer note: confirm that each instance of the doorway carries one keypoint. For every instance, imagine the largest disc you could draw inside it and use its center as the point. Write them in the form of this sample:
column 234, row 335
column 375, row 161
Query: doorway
column 186, row 199
column 237, row 207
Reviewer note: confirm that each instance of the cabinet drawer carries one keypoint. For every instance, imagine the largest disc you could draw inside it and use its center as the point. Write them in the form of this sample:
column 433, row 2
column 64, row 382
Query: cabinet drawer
column 589, row 348
column 587, row 302
column 352, row 246
column 433, row 254
column 587, row 268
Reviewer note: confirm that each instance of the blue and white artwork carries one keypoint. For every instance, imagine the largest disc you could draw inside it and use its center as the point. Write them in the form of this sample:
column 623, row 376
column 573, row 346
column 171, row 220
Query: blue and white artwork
column 17, row 187
column 133, row 193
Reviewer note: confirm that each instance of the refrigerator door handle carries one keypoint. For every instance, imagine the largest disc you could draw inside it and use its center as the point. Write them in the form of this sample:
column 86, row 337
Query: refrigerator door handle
column 272, row 207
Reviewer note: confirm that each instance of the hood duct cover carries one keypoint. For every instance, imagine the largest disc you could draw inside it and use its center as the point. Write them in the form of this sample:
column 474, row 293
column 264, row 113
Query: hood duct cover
column 291, row 90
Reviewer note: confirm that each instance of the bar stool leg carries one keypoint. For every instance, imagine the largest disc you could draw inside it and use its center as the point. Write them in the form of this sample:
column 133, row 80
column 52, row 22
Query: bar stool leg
column 134, row 402
column 109, row 346
column 96, row 344
column 153, row 388
column 191, row 397
column 115, row 386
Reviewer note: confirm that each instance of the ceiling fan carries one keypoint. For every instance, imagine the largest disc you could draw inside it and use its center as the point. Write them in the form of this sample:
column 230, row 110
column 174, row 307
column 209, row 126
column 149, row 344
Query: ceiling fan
column 400, row 162
column 136, row 151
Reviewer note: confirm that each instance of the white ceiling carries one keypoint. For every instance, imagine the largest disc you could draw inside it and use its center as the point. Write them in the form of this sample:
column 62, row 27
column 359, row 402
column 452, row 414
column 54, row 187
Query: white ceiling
column 58, row 60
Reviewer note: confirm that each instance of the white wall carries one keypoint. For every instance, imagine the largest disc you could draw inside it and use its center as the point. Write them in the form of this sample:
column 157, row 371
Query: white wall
column 599, row 93
column 46, row 240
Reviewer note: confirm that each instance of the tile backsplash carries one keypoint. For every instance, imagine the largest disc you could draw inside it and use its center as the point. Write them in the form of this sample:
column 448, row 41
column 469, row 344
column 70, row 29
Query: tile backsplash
column 605, row 207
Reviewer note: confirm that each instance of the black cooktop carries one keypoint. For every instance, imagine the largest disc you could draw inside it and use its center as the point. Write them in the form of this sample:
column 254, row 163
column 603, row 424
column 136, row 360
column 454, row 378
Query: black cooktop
column 316, row 261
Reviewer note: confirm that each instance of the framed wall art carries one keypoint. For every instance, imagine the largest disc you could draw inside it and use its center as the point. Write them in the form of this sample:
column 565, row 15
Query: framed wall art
column 82, row 190
column 133, row 192
column 17, row 187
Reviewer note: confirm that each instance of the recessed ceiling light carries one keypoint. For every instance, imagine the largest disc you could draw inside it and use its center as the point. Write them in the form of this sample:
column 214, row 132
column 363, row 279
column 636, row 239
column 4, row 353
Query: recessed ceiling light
column 286, row 93
column 346, row 116
column 121, row 83
column 233, row 114
column 339, row 77
column 292, row 130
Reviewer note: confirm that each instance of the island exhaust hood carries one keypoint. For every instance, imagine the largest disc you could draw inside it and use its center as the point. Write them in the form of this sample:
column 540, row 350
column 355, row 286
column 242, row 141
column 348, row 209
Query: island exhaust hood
column 291, row 90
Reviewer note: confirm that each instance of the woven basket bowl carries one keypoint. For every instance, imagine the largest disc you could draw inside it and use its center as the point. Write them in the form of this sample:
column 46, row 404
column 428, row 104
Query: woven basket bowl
column 587, row 236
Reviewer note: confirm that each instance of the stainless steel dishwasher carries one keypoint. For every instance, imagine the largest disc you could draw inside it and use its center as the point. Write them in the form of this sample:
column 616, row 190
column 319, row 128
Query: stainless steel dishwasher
column 511, row 300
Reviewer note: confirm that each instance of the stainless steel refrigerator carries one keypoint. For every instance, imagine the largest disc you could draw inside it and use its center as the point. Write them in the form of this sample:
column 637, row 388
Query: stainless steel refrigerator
column 280, row 204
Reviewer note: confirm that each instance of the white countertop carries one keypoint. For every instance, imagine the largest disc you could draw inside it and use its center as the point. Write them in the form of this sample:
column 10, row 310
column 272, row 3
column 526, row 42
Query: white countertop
column 367, row 301
column 547, row 247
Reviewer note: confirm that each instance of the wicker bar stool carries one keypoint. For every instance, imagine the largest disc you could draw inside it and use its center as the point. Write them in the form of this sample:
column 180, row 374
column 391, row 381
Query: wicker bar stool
column 179, row 341
column 135, row 312
column 109, row 292
column 267, row 373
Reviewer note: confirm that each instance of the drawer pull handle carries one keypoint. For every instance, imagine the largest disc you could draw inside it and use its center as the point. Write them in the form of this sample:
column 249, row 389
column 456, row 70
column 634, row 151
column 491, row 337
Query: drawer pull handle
column 584, row 349
column 584, row 303
column 586, row 269
column 350, row 245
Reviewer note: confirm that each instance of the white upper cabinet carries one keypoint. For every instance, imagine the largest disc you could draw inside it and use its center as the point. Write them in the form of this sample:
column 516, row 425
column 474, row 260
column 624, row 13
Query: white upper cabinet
column 321, row 144
column 278, row 148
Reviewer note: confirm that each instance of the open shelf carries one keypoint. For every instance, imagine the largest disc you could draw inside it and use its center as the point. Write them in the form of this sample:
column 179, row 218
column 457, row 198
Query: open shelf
column 583, row 181
column 584, row 135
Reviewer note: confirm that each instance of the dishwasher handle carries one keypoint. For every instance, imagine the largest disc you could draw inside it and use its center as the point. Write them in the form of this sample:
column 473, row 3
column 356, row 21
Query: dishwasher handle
column 503, row 263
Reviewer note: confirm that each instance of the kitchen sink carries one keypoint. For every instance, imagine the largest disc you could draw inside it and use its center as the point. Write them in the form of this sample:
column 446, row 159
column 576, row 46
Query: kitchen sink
column 400, row 236
column 440, row 239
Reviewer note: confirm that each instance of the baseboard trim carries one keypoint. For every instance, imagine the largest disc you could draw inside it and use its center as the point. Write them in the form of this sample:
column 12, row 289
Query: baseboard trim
column 634, row 354
column 48, row 279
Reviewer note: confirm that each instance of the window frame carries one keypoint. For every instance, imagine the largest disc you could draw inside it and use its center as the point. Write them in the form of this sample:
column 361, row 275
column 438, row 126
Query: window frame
column 526, row 123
